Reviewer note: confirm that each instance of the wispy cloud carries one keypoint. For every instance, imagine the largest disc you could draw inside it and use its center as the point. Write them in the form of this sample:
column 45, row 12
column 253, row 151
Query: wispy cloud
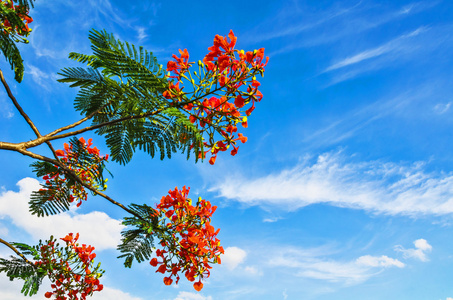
column 442, row 108
column 141, row 33
column 191, row 296
column 310, row 264
column 422, row 247
column 379, row 261
column 416, row 7
column 304, row 22
column 412, row 103
column 38, row 76
column 346, row 21
column 395, row 45
column 416, row 46
column 375, row 186
column 5, row 107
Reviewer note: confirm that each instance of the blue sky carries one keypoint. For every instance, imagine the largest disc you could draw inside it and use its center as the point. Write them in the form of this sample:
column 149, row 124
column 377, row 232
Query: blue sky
column 344, row 189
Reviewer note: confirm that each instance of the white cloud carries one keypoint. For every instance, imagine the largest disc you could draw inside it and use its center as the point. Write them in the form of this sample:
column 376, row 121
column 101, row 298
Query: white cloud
column 379, row 261
column 310, row 264
column 270, row 220
column 419, row 252
column 95, row 228
column 191, row 296
column 253, row 271
column 10, row 290
column 233, row 257
column 449, row 298
column 372, row 186
column 110, row 293
column 3, row 230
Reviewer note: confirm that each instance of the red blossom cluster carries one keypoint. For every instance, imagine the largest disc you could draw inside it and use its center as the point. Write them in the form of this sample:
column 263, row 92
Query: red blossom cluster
column 86, row 169
column 70, row 269
column 22, row 13
column 220, row 97
column 191, row 244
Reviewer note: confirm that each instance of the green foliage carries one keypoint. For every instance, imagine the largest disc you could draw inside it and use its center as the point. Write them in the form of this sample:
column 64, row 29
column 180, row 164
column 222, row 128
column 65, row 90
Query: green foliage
column 27, row 250
column 39, row 203
column 122, row 86
column 137, row 243
column 27, row 3
column 8, row 41
column 12, row 55
column 55, row 195
column 18, row 268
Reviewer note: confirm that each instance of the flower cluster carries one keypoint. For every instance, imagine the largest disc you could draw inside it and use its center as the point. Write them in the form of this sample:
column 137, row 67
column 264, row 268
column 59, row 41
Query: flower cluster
column 224, row 94
column 86, row 162
column 191, row 243
column 70, row 269
column 21, row 12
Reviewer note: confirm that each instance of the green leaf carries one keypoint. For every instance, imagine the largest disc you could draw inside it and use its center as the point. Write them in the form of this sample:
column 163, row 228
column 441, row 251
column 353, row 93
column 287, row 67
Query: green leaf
column 137, row 243
column 17, row 268
column 123, row 86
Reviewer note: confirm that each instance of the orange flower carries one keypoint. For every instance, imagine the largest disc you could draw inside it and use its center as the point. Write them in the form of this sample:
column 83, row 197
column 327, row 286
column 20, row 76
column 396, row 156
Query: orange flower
column 60, row 153
column 242, row 138
column 153, row 262
column 162, row 269
column 236, row 91
column 239, row 101
column 168, row 280
column 190, row 243
column 198, row 286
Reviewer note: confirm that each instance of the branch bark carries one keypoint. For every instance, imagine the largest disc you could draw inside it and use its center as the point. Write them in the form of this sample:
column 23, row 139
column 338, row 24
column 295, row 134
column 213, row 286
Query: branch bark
column 17, row 252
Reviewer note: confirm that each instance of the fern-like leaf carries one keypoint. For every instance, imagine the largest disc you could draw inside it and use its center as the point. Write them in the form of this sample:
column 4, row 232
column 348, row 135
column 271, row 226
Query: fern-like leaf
column 123, row 87
column 40, row 204
column 17, row 268
column 12, row 55
column 137, row 243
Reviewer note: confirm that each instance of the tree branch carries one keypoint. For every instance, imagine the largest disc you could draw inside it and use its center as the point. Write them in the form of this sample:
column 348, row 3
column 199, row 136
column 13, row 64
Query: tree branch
column 17, row 252
column 19, row 108
column 51, row 135
column 22, row 112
